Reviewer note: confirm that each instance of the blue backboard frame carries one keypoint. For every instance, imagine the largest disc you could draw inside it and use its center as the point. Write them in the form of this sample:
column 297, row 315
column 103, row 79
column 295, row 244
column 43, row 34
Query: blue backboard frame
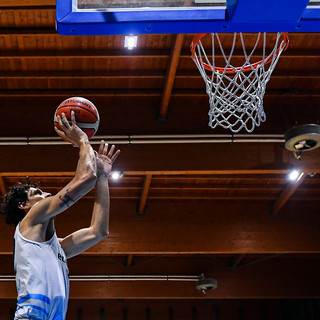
column 235, row 16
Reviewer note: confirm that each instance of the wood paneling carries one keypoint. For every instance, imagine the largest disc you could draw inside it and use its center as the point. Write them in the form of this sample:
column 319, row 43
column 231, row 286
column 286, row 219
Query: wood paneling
column 196, row 227
column 260, row 281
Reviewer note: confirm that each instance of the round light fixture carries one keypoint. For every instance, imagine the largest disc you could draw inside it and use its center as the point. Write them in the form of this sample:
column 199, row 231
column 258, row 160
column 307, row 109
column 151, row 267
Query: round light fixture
column 303, row 138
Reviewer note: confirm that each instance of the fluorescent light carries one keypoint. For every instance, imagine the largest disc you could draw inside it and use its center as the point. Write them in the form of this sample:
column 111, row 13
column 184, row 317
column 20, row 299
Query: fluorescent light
column 130, row 42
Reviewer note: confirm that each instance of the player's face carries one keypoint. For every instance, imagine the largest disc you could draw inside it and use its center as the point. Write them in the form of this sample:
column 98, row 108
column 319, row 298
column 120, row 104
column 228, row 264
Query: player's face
column 36, row 194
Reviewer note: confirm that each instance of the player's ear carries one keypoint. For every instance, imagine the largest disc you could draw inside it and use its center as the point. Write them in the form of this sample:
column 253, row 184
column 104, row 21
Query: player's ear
column 24, row 205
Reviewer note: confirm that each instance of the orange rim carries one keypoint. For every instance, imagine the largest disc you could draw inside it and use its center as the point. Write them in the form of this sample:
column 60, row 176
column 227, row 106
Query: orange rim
column 198, row 37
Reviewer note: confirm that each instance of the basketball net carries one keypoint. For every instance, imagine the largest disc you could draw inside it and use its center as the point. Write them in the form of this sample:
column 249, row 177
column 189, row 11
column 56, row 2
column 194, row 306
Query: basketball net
column 236, row 93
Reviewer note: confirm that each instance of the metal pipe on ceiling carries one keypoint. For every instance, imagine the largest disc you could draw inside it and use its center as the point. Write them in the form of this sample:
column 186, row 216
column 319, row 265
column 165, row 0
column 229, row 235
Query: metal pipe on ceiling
column 150, row 139
column 121, row 278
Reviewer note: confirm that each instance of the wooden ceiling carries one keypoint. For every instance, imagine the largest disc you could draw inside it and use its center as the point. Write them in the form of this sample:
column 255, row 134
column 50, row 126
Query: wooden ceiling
column 192, row 200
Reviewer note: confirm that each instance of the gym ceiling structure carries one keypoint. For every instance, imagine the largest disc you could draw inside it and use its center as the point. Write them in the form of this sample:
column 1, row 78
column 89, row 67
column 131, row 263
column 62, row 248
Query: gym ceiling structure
column 194, row 203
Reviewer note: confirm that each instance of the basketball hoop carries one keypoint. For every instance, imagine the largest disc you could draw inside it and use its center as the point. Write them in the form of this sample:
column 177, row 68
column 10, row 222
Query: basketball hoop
column 236, row 93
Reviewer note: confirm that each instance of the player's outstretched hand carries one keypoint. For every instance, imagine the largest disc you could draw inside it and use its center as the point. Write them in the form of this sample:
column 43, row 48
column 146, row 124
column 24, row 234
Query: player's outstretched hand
column 106, row 158
column 71, row 132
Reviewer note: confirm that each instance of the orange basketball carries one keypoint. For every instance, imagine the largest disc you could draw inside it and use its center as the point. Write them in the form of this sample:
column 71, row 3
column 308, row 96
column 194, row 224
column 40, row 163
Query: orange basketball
column 86, row 114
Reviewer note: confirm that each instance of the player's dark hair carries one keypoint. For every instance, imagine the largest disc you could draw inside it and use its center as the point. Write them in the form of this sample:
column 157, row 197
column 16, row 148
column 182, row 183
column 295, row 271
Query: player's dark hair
column 10, row 205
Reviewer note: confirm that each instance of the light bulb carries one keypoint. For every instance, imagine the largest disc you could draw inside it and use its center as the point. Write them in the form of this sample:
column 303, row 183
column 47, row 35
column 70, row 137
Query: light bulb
column 293, row 175
column 130, row 42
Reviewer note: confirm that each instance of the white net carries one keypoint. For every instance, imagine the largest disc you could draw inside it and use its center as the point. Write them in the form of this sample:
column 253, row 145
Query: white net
column 236, row 93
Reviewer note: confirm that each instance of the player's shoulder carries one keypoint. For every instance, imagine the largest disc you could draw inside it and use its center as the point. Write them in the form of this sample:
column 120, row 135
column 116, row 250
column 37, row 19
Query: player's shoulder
column 35, row 232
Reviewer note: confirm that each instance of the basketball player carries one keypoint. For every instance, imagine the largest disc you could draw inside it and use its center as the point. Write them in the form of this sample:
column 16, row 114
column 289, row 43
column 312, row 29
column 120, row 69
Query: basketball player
column 40, row 258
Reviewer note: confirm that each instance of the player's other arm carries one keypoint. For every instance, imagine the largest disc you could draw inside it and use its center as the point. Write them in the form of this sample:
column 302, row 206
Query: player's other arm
column 83, row 239
column 83, row 181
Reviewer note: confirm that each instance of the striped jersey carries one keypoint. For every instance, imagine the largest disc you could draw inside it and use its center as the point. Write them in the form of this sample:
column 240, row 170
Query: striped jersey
column 41, row 277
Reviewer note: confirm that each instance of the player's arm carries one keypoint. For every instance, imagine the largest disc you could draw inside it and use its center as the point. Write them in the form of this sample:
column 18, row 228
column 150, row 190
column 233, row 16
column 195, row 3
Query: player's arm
column 83, row 181
column 83, row 239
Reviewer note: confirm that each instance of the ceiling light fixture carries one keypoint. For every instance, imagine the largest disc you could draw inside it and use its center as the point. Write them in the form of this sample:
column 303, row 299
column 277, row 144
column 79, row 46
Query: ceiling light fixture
column 130, row 42
column 302, row 138
column 294, row 175
column 116, row 175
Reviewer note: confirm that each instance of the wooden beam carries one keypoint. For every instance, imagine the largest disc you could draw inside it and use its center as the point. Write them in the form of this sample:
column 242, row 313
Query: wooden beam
column 287, row 193
column 57, row 75
column 38, row 174
column 26, row 4
column 138, row 54
column 144, row 194
column 205, row 172
column 153, row 173
column 129, row 92
column 3, row 188
column 94, row 53
column 88, row 93
column 30, row 32
column 218, row 157
column 120, row 74
column 171, row 72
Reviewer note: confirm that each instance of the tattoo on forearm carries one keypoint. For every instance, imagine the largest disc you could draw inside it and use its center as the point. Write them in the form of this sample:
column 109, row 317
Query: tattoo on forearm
column 65, row 200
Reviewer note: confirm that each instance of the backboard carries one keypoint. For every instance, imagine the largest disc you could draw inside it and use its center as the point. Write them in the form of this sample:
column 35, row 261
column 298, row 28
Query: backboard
column 107, row 17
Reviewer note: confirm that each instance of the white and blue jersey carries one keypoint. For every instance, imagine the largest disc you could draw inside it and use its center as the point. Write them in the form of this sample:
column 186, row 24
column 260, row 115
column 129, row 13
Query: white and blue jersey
column 42, row 279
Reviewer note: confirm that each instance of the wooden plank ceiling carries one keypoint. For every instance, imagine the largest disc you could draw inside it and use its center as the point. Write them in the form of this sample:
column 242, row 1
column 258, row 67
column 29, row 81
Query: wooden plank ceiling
column 192, row 200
